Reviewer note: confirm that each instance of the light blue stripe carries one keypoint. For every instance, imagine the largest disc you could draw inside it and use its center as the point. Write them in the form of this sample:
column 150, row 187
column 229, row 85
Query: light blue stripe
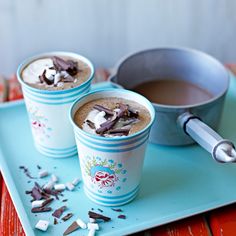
column 51, row 103
column 58, row 149
column 113, row 202
column 113, row 150
column 80, row 91
column 113, row 197
column 59, row 153
column 113, row 144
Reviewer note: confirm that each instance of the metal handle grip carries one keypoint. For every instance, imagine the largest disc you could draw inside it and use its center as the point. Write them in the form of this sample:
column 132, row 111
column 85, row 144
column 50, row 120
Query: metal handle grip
column 221, row 149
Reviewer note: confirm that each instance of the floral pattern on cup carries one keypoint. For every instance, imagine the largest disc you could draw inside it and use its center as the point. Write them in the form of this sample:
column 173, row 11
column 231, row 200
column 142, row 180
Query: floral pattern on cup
column 39, row 124
column 105, row 174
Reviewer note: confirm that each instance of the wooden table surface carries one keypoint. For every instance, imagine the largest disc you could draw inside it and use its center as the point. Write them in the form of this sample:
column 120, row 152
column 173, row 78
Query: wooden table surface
column 220, row 222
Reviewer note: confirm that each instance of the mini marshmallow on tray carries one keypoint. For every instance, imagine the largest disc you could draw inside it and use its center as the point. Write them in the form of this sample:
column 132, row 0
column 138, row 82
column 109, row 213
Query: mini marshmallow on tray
column 75, row 181
column 91, row 220
column 54, row 178
column 49, row 185
column 70, row 186
column 81, row 223
column 92, row 228
column 43, row 173
column 59, row 187
column 42, row 225
column 37, row 203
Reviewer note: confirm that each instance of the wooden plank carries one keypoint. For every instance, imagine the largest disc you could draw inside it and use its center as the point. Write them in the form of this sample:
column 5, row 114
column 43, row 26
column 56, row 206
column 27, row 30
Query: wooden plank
column 223, row 221
column 9, row 221
column 193, row 226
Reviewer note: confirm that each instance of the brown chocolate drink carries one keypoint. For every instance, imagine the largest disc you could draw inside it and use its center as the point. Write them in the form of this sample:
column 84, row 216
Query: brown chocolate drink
column 56, row 73
column 173, row 92
column 112, row 117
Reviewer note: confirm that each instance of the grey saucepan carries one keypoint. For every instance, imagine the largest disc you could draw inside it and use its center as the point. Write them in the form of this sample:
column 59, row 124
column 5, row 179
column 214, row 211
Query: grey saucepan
column 182, row 124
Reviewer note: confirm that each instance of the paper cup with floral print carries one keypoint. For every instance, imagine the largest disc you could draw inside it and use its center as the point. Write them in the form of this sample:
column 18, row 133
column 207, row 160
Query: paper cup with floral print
column 111, row 166
column 48, row 111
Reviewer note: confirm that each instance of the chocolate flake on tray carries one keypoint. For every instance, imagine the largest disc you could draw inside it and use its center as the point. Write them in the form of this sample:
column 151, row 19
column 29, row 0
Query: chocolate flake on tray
column 57, row 213
column 90, row 124
column 67, row 217
column 97, row 216
column 40, row 209
column 117, row 210
column 26, row 171
column 55, row 222
column 122, row 217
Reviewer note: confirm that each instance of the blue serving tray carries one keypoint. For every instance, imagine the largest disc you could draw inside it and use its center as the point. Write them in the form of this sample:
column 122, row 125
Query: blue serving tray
column 177, row 182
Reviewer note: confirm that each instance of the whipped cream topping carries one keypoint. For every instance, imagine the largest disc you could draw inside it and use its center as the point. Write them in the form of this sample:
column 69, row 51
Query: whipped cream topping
column 32, row 72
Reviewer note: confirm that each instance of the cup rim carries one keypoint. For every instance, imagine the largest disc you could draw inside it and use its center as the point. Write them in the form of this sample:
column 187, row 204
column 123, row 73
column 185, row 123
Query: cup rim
column 28, row 60
column 150, row 109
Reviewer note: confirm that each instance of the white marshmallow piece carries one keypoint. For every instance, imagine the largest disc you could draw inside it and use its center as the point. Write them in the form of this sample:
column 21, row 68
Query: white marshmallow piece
column 49, row 185
column 43, row 173
column 75, row 181
column 70, row 186
column 93, row 226
column 59, row 187
column 99, row 119
column 81, row 223
column 57, row 78
column 42, row 225
column 37, row 203
column 91, row 220
column 54, row 178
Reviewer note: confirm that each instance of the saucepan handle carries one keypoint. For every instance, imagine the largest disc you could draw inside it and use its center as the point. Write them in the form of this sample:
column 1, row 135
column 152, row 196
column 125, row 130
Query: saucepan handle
column 222, row 150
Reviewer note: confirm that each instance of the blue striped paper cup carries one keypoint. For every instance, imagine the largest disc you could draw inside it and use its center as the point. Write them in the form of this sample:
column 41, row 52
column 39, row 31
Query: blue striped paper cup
column 48, row 111
column 111, row 167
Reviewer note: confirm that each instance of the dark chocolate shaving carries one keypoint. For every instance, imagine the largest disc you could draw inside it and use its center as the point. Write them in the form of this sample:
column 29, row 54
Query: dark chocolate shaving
column 74, row 226
column 36, row 193
column 71, row 67
column 100, row 210
column 64, row 200
column 122, row 217
column 47, row 201
column 90, row 124
column 28, row 191
column 55, row 222
column 102, row 108
column 117, row 210
column 133, row 113
column 26, row 172
column 43, row 78
column 57, row 213
column 67, row 217
column 40, row 209
column 39, row 167
column 123, row 110
column 121, row 131
column 106, row 126
column 68, row 79
column 97, row 216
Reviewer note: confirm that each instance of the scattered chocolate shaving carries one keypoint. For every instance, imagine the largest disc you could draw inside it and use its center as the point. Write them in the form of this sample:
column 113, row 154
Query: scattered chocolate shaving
column 69, row 66
column 97, row 216
column 122, row 217
column 43, row 78
column 102, row 108
column 55, row 222
column 106, row 126
column 117, row 210
column 26, row 172
column 74, row 226
column 53, row 192
column 39, row 167
column 28, row 181
column 133, row 113
column 90, row 124
column 64, row 200
column 28, row 192
column 123, row 110
column 36, row 194
column 100, row 210
column 57, row 213
column 67, row 217
column 47, row 201
column 121, row 131
column 40, row 209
